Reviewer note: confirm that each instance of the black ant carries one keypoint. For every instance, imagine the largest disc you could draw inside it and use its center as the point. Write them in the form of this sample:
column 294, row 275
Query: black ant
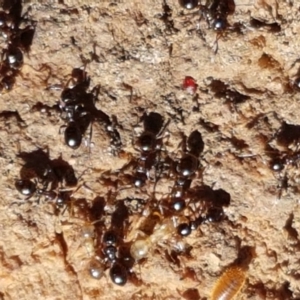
column 282, row 149
column 206, row 205
column 60, row 198
column 18, row 41
column 110, row 245
column 79, row 111
column 288, row 136
column 149, row 145
column 185, row 169
column 41, row 176
column 215, row 12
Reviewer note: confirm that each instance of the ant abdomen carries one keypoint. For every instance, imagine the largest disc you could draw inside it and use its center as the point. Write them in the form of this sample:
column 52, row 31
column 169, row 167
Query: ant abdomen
column 118, row 274
column 187, row 165
column 147, row 142
column 73, row 135
column 188, row 4
column 25, row 187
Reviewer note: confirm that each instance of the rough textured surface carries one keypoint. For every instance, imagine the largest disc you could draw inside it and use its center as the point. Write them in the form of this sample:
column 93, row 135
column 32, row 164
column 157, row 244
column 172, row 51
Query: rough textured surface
column 137, row 45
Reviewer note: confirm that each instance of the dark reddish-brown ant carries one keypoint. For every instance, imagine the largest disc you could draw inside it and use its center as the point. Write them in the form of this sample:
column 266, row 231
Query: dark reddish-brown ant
column 73, row 104
column 79, row 111
column 202, row 204
column 12, row 25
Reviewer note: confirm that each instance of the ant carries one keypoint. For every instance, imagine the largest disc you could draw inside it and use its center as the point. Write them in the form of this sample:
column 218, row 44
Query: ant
column 79, row 111
column 215, row 12
column 40, row 169
column 12, row 61
column 18, row 41
column 185, row 169
column 288, row 137
column 11, row 21
column 282, row 149
column 29, row 188
column 149, row 145
column 207, row 207
column 110, row 245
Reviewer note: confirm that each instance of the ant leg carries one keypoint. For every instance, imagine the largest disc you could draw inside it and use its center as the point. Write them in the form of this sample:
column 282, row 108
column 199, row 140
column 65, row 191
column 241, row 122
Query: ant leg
column 96, row 91
column 163, row 130
column 88, row 140
column 116, row 142
column 20, row 202
column 62, row 129
column 47, row 68
column 91, row 144
column 132, row 163
column 215, row 47
column 283, row 185
column 130, row 88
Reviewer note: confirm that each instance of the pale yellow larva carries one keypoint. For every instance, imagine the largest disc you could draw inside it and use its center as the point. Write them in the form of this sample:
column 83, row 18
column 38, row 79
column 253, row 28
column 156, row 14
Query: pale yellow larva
column 229, row 284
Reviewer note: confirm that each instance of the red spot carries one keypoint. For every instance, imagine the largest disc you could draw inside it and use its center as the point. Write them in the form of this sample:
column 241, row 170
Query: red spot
column 189, row 85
